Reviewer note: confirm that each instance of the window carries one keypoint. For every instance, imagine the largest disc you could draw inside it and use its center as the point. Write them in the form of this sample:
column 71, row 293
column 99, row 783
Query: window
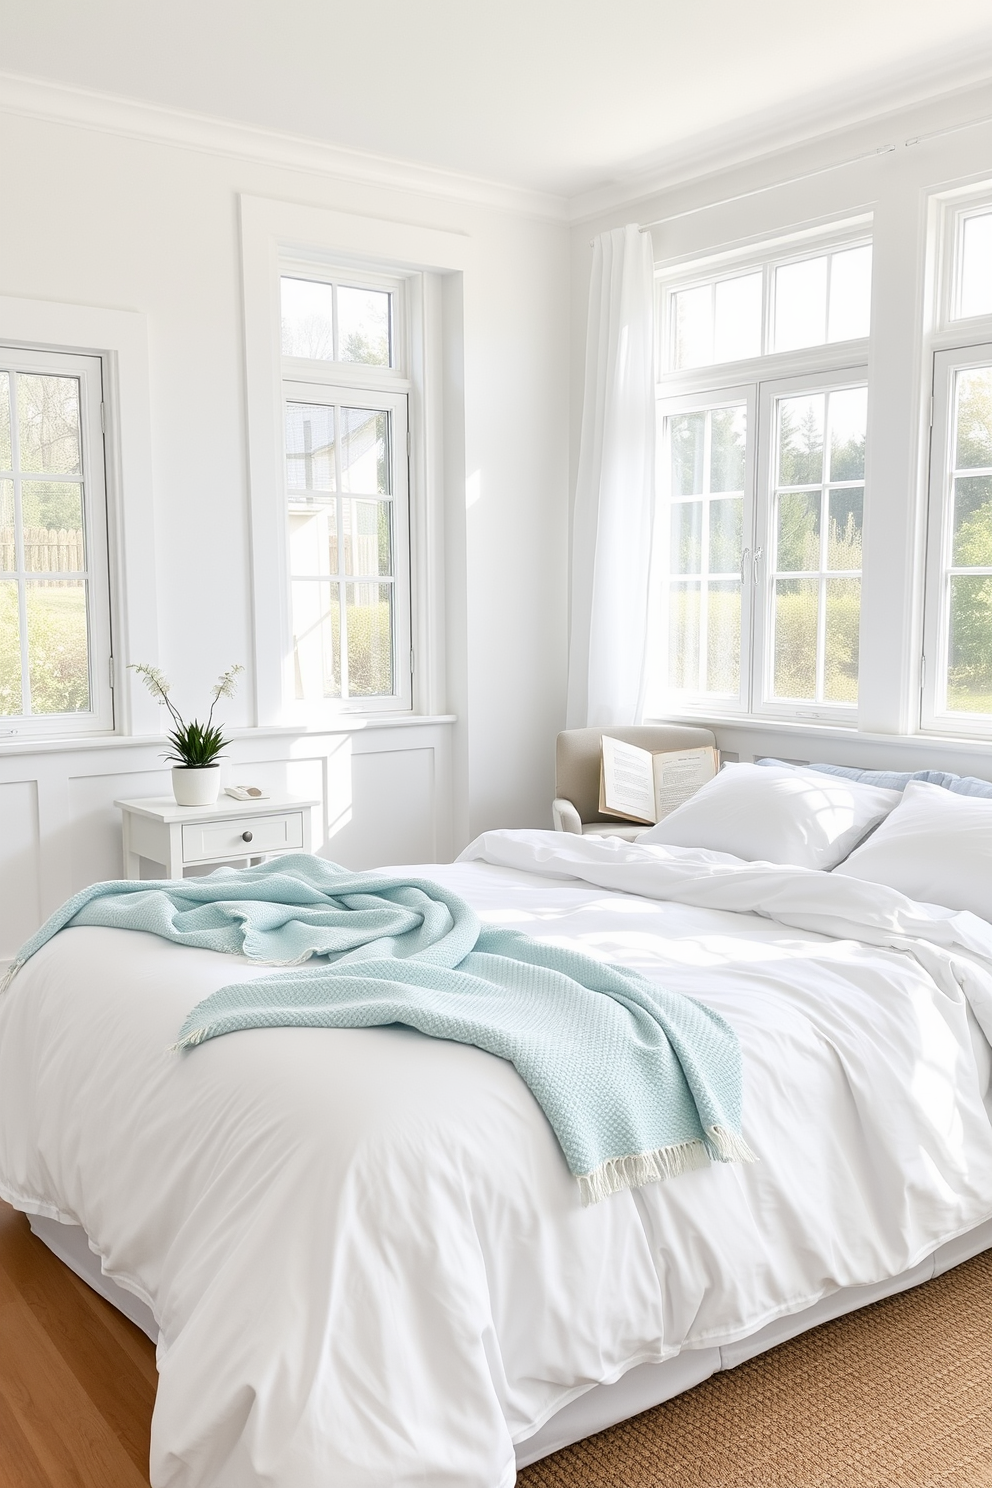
column 761, row 484
column 815, row 300
column 958, row 628
column 55, row 653
column 345, row 421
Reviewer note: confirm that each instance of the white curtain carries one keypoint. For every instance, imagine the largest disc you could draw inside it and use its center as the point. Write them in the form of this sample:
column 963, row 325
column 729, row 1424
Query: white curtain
column 614, row 495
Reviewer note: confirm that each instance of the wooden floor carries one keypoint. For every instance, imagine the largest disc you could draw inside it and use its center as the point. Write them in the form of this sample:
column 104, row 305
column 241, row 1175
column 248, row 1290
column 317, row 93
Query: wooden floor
column 77, row 1380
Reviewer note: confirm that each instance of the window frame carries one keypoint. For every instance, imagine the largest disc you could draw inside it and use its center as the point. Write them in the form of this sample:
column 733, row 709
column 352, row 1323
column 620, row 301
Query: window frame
column 828, row 366
column 396, row 403
column 735, row 263
column 348, row 383
column 90, row 370
column 935, row 718
column 764, row 703
column 670, row 407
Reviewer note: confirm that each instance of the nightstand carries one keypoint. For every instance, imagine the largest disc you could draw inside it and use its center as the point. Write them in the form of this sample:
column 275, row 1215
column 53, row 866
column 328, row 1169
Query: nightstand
column 181, row 837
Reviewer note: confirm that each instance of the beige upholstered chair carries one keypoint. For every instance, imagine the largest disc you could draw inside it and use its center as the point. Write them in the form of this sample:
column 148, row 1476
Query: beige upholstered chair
column 576, row 804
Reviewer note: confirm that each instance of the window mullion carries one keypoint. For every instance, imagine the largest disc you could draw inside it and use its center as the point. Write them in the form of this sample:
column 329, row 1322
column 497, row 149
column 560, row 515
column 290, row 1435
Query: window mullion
column 19, row 553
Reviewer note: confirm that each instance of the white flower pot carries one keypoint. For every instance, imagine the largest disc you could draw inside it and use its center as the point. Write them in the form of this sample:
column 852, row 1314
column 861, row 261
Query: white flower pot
column 198, row 786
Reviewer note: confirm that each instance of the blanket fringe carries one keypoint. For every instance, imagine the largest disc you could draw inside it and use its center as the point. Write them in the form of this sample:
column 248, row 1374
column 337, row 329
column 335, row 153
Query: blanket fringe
column 639, row 1168
column 730, row 1146
column 12, row 970
column 197, row 1036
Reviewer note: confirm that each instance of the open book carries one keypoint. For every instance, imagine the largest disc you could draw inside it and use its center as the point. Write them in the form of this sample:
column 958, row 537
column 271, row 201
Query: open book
column 644, row 787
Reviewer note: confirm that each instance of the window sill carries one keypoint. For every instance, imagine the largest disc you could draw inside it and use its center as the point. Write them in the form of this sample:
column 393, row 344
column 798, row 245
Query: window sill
column 849, row 734
column 346, row 724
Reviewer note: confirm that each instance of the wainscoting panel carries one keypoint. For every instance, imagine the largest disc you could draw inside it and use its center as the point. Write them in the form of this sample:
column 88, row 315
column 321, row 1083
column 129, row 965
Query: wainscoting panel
column 95, row 823
column 364, row 831
column 384, row 791
column 20, row 889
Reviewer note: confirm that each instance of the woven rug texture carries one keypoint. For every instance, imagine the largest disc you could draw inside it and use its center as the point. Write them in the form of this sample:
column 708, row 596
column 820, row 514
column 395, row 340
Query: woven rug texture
column 897, row 1395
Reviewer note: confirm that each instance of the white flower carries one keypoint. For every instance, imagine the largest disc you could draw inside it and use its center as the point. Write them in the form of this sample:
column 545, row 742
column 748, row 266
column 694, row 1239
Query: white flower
column 227, row 682
column 153, row 679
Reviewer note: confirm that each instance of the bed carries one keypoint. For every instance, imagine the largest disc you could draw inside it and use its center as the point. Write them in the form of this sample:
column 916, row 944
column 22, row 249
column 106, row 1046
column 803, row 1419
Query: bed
column 360, row 1251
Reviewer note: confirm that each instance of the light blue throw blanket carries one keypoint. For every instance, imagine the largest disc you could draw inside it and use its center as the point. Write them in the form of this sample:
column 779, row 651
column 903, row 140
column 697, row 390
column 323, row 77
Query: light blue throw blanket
column 638, row 1083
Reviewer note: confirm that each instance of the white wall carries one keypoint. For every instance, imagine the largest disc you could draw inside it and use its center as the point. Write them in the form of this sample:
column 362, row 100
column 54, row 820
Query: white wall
column 100, row 218
column 890, row 167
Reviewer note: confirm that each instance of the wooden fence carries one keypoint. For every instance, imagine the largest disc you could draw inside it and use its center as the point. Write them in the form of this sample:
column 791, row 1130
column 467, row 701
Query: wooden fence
column 46, row 550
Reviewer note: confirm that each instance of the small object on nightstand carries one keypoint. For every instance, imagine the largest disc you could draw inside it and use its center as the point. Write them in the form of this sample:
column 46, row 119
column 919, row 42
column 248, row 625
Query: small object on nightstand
column 246, row 793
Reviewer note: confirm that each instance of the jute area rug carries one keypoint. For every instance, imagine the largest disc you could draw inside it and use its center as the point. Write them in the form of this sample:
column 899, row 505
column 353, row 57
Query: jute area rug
column 898, row 1395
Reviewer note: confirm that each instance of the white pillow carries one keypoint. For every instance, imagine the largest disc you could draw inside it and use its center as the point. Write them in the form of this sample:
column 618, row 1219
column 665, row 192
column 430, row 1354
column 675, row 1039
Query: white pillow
column 776, row 814
column 936, row 847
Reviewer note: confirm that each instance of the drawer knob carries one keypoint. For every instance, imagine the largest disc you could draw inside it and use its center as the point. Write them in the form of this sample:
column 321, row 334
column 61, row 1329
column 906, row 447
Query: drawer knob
column 246, row 836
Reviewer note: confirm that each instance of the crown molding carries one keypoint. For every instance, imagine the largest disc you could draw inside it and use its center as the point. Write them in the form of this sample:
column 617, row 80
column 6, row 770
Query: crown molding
column 153, row 123
column 774, row 132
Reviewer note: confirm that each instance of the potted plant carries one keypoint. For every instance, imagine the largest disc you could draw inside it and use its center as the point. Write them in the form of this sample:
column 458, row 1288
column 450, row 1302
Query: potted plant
column 196, row 747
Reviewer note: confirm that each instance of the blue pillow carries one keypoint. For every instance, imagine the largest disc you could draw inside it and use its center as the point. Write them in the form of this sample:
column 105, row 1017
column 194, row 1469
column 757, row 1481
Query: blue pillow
column 961, row 785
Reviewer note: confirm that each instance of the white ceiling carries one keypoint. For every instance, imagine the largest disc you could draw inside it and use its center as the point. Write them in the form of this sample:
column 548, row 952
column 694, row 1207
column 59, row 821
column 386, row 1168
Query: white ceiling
column 560, row 96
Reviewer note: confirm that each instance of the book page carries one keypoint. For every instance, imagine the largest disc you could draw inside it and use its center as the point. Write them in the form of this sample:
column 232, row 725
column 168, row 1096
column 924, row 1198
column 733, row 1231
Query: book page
column 678, row 774
column 626, row 781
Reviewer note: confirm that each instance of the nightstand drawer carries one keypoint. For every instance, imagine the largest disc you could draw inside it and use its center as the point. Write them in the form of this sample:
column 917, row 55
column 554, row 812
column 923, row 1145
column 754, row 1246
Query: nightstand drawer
column 242, row 837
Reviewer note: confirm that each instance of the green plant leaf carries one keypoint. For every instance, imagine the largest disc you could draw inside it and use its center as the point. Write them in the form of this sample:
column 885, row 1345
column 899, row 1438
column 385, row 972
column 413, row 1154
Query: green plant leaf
column 196, row 745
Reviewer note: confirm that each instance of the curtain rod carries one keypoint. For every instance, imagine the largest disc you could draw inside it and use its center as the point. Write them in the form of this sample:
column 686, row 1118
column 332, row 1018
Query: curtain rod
column 916, row 139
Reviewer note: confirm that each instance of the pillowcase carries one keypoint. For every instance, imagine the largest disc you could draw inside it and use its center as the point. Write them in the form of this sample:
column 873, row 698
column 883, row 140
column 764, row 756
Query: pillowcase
column 769, row 814
column 935, row 847
column 961, row 785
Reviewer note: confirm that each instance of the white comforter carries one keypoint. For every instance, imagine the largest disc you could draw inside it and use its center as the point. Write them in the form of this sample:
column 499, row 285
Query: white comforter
column 368, row 1260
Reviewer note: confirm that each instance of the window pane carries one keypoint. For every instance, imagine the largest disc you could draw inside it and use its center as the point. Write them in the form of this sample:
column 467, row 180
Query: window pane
column 364, row 451
column 693, row 315
column 48, row 423
column 58, row 653
column 850, row 294
column 840, row 660
column 317, row 640
column 847, row 414
column 800, row 304
column 365, row 530
column 309, row 447
column 972, row 537
column 307, row 319
column 53, row 504
column 846, row 515
column 11, row 705
column 726, row 534
column 796, row 613
column 53, row 526
column 728, row 438
column 313, row 538
column 683, row 637
column 800, row 441
column 5, row 421
column 688, row 436
column 974, row 419
column 8, row 550
column 976, row 265
column 687, row 537
column 737, row 318
column 723, row 637
column 969, row 671
column 364, row 326
column 370, row 639
column 798, row 532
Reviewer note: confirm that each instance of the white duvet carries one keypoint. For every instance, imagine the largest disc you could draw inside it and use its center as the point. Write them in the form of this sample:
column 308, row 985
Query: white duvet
column 367, row 1258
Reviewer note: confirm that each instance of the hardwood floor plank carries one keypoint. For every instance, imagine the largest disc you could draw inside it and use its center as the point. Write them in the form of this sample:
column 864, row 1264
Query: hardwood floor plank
column 78, row 1406
column 19, row 1466
column 116, row 1370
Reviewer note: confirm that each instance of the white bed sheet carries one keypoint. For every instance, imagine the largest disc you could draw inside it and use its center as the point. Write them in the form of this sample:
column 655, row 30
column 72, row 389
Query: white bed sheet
column 368, row 1261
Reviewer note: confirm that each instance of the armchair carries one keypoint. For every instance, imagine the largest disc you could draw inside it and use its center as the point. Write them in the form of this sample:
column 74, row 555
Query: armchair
column 577, row 760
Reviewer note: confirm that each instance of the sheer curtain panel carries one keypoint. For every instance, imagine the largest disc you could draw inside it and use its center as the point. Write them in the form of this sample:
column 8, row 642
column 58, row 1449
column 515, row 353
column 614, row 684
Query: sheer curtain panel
column 614, row 495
